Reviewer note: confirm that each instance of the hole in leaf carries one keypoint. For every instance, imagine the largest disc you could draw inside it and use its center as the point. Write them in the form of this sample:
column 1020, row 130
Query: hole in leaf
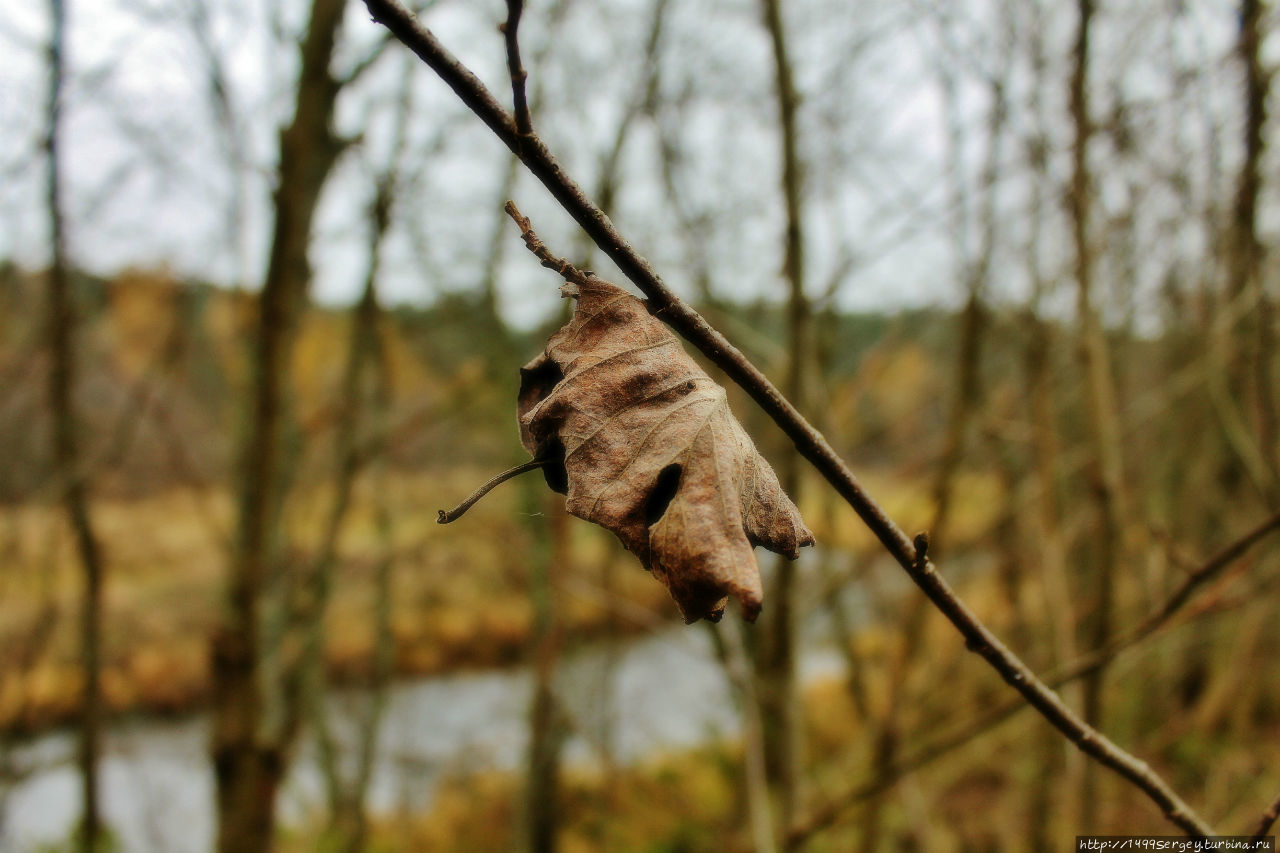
column 663, row 492
column 536, row 383
column 554, row 471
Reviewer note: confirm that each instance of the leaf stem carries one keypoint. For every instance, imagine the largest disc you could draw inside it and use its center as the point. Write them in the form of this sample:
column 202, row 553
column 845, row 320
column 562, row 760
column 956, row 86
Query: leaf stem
column 458, row 511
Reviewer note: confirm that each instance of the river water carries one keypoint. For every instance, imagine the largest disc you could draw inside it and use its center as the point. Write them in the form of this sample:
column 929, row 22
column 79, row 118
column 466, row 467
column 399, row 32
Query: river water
column 665, row 691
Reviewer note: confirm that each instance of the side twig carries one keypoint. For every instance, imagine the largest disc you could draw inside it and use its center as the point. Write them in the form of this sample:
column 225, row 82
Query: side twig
column 1209, row 569
column 1267, row 820
column 808, row 441
column 1160, row 615
column 566, row 270
column 520, row 101
column 837, row 807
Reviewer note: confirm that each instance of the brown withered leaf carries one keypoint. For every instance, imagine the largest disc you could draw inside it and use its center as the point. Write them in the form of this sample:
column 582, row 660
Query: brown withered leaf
column 642, row 442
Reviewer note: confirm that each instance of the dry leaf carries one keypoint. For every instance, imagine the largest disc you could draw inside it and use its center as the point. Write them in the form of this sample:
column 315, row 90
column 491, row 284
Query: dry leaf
column 643, row 443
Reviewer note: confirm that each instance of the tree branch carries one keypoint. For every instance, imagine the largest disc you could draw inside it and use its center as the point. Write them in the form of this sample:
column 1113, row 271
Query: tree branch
column 809, row 442
column 524, row 120
column 1267, row 820
column 1206, row 572
column 534, row 244
column 832, row 812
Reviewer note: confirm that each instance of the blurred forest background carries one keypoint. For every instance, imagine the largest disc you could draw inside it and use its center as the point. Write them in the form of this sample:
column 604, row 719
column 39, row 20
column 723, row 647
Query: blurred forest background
column 261, row 316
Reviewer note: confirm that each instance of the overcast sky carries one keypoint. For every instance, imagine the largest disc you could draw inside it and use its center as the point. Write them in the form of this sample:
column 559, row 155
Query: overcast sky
column 156, row 179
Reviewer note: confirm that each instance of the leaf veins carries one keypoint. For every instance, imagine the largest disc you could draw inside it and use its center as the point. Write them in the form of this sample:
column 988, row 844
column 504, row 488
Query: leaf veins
column 642, row 442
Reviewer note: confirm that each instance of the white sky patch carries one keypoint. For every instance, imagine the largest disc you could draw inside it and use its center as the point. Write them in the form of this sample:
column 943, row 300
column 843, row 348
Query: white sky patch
column 152, row 179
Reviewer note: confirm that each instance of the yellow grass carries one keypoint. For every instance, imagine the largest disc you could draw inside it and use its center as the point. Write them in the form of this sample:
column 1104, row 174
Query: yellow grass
column 460, row 592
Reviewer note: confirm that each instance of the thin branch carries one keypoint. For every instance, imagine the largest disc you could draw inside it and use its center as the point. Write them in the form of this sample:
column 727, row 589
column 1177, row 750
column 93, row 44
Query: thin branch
column 459, row 510
column 1213, row 566
column 365, row 62
column 1091, row 661
column 1267, row 820
column 831, row 813
column 531, row 240
column 808, row 441
column 524, row 120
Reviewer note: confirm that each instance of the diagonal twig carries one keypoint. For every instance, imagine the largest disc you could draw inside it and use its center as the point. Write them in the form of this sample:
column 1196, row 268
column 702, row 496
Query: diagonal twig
column 531, row 240
column 520, row 101
column 1267, row 820
column 808, row 441
column 1172, row 604
column 829, row 814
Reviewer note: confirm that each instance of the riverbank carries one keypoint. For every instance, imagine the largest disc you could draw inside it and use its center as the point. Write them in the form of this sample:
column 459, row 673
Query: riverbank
column 663, row 693
column 460, row 598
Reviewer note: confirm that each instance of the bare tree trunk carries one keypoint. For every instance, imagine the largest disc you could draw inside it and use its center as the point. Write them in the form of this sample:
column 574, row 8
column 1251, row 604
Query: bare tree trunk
column 66, row 451
column 1046, row 525
column 546, row 723
column 732, row 649
column 1254, row 328
column 249, row 759
column 304, row 683
column 779, row 709
column 1055, row 772
column 353, row 818
column 974, row 268
column 231, row 137
column 348, row 822
column 1105, row 468
column 642, row 99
